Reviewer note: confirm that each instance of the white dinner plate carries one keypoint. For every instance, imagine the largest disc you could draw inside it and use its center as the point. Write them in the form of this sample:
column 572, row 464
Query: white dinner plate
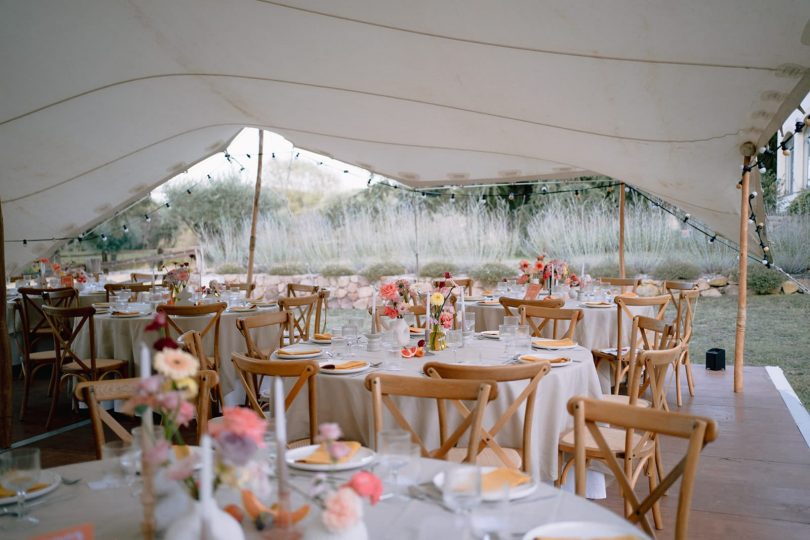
column 45, row 477
column 488, row 303
column 361, row 458
column 582, row 529
column 357, row 369
column 491, row 334
column 537, row 343
column 523, row 490
column 567, row 362
column 596, row 305
column 321, row 341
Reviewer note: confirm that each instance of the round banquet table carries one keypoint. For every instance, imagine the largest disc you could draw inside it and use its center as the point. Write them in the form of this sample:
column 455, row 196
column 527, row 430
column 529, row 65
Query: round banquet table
column 344, row 399
column 120, row 338
column 115, row 514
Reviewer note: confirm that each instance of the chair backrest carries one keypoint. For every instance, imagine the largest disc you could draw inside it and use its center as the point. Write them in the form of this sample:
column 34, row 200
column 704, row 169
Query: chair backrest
column 384, row 387
column 95, row 392
column 299, row 289
column 686, row 302
column 248, row 288
column 66, row 325
column 264, row 322
column 461, row 283
column 175, row 313
column 540, row 318
column 624, row 314
column 590, row 415
column 320, row 310
column 251, row 370
column 418, row 311
column 191, row 342
column 627, row 284
column 530, row 373
column 63, row 297
column 109, row 288
column 510, row 304
column 139, row 277
column 647, row 334
column 656, row 363
column 302, row 308
column 31, row 316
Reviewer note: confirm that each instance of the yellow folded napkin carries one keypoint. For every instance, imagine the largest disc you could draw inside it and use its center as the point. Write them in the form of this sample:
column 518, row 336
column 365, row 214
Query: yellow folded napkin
column 125, row 313
column 321, row 455
column 323, row 337
column 598, row 303
column 417, row 330
column 494, row 480
column 8, row 493
column 620, row 537
column 629, row 294
column 486, row 292
column 533, row 358
column 296, row 352
column 552, row 343
column 350, row 364
column 181, row 451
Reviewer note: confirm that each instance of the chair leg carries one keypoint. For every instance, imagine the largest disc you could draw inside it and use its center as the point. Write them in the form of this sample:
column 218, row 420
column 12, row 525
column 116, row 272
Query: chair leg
column 54, row 403
column 678, row 398
column 659, row 463
column 26, row 389
column 687, row 363
column 652, row 465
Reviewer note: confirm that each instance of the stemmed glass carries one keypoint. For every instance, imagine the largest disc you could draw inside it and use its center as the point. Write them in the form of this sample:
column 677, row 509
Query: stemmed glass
column 396, row 452
column 19, row 471
column 461, row 490
column 469, row 323
column 349, row 332
column 455, row 339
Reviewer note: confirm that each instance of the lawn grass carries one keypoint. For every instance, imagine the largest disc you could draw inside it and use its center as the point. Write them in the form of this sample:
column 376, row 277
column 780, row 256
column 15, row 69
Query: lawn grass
column 777, row 333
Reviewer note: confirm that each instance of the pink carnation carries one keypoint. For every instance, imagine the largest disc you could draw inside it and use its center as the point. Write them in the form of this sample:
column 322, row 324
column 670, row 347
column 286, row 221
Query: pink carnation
column 367, row 484
column 344, row 509
column 242, row 422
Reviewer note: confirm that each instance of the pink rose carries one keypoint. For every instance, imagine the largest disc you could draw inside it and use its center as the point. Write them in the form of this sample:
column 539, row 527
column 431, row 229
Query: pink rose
column 185, row 413
column 159, row 453
column 389, row 291
column 329, row 431
column 344, row 509
column 390, row 312
column 446, row 319
column 242, row 422
column 366, row 484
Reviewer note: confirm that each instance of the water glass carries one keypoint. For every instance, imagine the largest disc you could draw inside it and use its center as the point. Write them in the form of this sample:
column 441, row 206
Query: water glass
column 455, row 339
column 507, row 333
column 524, row 330
column 397, row 452
column 511, row 320
column 393, row 359
column 461, row 490
column 119, row 458
column 19, row 471
column 469, row 323
column 349, row 332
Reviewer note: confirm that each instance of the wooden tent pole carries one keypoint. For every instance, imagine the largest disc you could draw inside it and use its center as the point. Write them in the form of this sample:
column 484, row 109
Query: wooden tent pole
column 621, row 230
column 742, row 299
column 256, row 196
column 5, row 357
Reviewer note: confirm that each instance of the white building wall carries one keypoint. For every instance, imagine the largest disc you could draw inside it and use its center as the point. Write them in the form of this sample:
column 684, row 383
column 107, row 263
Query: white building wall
column 793, row 171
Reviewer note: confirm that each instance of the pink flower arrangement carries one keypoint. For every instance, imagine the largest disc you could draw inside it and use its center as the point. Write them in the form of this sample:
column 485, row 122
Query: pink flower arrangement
column 367, row 484
column 398, row 296
column 242, row 422
column 343, row 510
column 328, row 435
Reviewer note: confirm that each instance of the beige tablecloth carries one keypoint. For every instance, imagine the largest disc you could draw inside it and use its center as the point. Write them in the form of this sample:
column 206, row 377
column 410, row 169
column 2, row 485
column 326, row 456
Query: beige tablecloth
column 120, row 339
column 116, row 514
column 343, row 399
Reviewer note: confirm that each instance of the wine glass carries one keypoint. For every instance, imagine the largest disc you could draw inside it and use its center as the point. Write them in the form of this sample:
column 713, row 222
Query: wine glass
column 397, row 452
column 19, row 471
column 455, row 339
column 349, row 332
column 461, row 490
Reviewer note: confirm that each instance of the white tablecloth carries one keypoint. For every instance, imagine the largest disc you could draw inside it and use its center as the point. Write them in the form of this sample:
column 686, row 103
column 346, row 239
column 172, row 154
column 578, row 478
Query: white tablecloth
column 120, row 338
column 344, row 399
column 116, row 514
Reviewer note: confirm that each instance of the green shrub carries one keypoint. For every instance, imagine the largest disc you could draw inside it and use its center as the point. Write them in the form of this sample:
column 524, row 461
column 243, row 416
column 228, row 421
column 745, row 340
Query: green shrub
column 763, row 280
column 801, row 204
column 375, row 271
column 677, row 270
column 608, row 269
column 288, row 269
column 230, row 268
column 491, row 273
column 437, row 269
column 335, row 270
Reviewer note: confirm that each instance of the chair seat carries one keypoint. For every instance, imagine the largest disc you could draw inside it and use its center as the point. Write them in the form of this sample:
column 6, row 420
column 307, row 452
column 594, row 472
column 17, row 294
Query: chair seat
column 614, row 438
column 487, row 457
column 102, row 364
column 625, row 400
column 42, row 356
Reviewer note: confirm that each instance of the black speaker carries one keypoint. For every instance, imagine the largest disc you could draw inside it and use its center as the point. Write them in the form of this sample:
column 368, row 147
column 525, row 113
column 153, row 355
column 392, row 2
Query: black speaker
column 716, row 359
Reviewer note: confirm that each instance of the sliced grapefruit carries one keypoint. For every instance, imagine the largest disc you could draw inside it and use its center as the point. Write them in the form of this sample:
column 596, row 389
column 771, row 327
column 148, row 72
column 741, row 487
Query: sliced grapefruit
column 409, row 352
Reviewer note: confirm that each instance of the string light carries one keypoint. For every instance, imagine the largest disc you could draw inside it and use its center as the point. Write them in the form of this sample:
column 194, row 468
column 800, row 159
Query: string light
column 168, row 204
column 147, row 218
column 511, row 196
column 125, row 228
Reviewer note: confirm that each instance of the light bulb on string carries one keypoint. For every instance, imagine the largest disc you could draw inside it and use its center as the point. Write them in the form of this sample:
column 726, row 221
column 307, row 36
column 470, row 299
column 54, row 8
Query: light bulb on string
column 511, row 196
column 762, row 168
column 103, row 237
column 125, row 228
column 712, row 239
column 168, row 205
column 752, row 195
column 452, row 197
column 686, row 217
column 25, row 242
column 544, row 190
column 147, row 218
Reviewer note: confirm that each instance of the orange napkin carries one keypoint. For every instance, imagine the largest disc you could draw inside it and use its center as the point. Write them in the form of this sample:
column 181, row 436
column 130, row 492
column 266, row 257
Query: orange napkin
column 125, row 313
column 181, row 451
column 417, row 330
column 553, row 343
column 629, row 294
column 488, row 302
column 598, row 303
column 296, row 352
column 323, row 337
column 8, row 493
column 620, row 537
column 533, row 358
column 487, row 292
column 494, row 480
column 321, row 455
column 350, row 364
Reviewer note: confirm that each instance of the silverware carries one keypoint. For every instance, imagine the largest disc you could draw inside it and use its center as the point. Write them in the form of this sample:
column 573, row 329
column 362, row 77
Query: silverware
column 70, row 481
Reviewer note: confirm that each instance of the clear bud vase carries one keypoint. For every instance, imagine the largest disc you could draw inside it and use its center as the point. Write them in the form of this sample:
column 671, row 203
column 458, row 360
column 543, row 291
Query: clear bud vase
column 437, row 340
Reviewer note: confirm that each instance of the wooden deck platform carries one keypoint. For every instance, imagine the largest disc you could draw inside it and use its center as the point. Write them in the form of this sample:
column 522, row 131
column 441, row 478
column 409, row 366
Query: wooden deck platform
column 754, row 481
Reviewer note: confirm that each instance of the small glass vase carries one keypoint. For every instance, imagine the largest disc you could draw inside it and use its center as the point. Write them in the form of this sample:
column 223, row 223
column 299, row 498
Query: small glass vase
column 437, row 340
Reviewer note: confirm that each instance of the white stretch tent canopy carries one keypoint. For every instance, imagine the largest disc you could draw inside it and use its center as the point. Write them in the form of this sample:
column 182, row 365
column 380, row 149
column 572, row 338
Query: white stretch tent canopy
column 102, row 101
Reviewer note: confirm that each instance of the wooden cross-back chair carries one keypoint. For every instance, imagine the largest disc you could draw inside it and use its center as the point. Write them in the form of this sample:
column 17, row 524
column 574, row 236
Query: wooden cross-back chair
column 37, row 333
column 192, row 343
column 66, row 324
column 647, row 334
column 626, row 284
column 299, row 289
column 135, row 288
column 174, row 316
column 489, row 451
column 590, row 414
column 618, row 357
column 143, row 277
column 302, row 308
column 511, row 306
column 684, row 317
column 461, row 283
column 93, row 393
column 384, row 387
column 320, row 310
column 265, row 322
column 251, row 371
column 242, row 286
column 542, row 318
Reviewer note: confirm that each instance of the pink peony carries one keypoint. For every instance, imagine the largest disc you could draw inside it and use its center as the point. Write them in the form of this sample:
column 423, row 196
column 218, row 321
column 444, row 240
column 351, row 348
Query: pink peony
column 390, row 312
column 344, row 509
column 329, row 431
column 389, row 291
column 402, row 309
column 366, row 484
column 242, row 422
column 446, row 319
